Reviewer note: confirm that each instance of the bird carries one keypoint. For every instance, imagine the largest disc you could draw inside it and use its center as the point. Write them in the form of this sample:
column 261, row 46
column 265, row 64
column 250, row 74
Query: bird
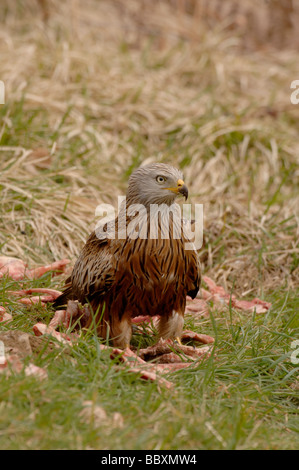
column 135, row 273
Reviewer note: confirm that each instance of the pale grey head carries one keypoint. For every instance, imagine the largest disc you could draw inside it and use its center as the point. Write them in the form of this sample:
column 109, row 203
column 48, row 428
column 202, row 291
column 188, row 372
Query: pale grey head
column 156, row 183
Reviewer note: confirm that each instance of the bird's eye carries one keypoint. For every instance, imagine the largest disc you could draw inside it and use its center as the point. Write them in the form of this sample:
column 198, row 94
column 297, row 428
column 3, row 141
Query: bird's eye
column 160, row 179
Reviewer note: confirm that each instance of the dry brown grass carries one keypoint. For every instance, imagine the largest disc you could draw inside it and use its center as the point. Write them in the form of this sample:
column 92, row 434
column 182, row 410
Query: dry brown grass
column 95, row 88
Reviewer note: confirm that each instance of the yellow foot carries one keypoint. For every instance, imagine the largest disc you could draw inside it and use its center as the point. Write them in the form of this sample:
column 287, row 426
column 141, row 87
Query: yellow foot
column 178, row 340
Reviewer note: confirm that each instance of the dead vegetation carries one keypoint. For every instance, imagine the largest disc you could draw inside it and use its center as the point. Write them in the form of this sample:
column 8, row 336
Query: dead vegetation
column 94, row 89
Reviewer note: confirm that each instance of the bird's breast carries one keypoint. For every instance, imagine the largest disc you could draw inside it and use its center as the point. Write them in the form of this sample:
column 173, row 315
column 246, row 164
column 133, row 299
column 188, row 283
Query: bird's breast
column 151, row 274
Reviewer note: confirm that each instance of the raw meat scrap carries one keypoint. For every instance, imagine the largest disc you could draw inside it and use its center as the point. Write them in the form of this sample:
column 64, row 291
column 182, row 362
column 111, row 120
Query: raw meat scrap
column 16, row 269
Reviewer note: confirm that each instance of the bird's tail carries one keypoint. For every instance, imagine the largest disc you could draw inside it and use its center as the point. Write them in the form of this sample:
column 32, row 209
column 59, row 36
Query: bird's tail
column 66, row 295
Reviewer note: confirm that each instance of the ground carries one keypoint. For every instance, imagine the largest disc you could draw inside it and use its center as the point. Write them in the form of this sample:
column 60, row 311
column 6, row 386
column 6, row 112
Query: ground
column 90, row 93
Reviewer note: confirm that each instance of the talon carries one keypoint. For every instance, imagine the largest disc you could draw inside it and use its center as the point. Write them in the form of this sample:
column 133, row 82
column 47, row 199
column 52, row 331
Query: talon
column 178, row 340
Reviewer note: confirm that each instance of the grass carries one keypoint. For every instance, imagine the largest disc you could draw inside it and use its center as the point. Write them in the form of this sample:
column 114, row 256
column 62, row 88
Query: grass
column 241, row 398
column 85, row 105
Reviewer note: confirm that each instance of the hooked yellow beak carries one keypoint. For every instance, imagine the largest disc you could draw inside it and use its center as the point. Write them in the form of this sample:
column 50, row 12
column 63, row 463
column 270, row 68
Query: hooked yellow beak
column 180, row 189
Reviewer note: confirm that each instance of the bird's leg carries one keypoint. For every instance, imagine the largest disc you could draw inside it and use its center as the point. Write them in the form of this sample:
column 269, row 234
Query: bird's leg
column 171, row 326
column 178, row 339
column 121, row 332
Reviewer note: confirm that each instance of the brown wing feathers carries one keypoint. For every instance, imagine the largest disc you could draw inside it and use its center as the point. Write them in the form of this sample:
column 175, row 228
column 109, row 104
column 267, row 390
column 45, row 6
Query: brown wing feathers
column 132, row 278
column 151, row 280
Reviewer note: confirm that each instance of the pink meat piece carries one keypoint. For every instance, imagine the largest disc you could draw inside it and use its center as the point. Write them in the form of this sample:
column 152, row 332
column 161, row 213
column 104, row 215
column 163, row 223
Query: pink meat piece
column 49, row 296
column 191, row 335
column 265, row 304
column 131, row 356
column 57, row 266
column 16, row 269
column 145, row 319
column 161, row 347
column 251, row 305
column 219, row 295
column 214, row 289
column 167, row 368
column 4, row 315
column 13, row 267
column 125, row 355
column 206, row 295
column 52, row 293
column 141, row 319
column 32, row 301
column 168, row 346
column 173, row 358
column 40, row 329
column 151, row 375
column 190, row 351
column 36, row 371
column 146, row 371
column 59, row 319
column 167, row 360
column 74, row 314
column 12, row 363
column 197, row 307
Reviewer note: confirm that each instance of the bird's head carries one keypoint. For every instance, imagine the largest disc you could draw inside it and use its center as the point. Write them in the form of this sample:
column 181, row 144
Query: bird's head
column 156, row 183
